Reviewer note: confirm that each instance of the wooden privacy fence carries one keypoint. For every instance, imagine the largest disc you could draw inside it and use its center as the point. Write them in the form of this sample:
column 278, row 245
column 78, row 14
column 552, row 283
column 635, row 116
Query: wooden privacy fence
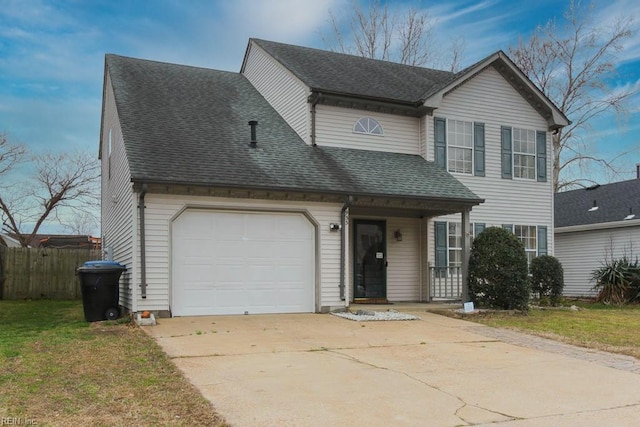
column 42, row 273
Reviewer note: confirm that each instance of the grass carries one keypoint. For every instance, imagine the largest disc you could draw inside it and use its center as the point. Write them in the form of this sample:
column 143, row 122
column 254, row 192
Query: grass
column 610, row 328
column 57, row 369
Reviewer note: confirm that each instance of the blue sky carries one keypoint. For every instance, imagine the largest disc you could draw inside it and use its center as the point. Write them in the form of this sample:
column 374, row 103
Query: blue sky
column 52, row 52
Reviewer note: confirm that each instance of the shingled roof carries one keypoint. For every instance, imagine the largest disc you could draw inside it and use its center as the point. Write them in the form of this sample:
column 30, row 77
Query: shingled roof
column 415, row 88
column 358, row 76
column 187, row 125
column 614, row 201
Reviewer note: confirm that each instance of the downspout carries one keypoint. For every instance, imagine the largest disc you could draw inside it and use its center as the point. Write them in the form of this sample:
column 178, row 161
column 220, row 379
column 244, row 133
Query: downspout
column 343, row 241
column 314, row 102
column 143, row 258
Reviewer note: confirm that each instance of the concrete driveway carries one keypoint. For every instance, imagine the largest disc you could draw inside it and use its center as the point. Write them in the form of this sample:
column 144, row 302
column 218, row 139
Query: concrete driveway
column 319, row 370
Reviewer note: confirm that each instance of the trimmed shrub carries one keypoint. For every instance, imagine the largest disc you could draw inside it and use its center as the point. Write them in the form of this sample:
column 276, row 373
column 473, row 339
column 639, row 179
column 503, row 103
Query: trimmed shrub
column 498, row 271
column 617, row 281
column 547, row 278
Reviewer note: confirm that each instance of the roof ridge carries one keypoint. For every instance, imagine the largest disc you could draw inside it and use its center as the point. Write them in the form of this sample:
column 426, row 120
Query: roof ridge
column 351, row 55
column 117, row 56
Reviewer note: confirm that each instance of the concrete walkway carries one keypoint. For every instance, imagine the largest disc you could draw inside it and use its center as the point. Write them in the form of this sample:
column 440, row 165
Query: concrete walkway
column 319, row 370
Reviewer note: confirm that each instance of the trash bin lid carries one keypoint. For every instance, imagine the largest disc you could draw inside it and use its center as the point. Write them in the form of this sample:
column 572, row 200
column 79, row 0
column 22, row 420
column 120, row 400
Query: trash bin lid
column 103, row 265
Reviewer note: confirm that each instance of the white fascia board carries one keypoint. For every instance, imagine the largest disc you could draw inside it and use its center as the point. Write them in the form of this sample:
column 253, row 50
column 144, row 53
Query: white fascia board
column 600, row 226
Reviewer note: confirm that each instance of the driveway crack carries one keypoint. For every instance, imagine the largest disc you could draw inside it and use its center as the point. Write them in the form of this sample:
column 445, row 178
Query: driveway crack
column 463, row 403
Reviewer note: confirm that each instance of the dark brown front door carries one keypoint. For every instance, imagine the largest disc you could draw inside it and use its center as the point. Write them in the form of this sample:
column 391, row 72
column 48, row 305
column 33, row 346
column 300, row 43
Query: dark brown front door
column 370, row 259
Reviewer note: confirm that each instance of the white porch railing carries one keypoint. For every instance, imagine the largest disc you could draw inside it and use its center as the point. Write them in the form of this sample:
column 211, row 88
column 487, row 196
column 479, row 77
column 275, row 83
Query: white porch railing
column 446, row 282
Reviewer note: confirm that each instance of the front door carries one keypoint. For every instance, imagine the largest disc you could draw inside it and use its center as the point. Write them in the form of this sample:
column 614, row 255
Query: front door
column 370, row 260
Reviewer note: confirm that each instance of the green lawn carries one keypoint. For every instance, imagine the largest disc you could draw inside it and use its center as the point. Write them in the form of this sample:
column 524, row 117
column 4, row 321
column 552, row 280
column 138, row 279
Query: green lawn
column 609, row 328
column 57, row 369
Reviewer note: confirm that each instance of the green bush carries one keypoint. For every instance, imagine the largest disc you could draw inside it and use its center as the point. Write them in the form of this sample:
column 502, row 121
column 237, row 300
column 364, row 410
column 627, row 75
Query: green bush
column 498, row 271
column 617, row 281
column 547, row 278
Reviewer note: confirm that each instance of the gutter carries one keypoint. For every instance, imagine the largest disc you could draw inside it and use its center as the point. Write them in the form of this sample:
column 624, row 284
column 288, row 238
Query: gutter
column 597, row 226
column 314, row 101
column 343, row 241
column 143, row 257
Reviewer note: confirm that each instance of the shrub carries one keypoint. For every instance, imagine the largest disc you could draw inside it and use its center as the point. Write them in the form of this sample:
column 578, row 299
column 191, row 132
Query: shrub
column 547, row 278
column 498, row 271
column 617, row 281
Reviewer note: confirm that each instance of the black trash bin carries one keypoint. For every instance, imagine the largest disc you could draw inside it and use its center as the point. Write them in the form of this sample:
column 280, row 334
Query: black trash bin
column 100, row 285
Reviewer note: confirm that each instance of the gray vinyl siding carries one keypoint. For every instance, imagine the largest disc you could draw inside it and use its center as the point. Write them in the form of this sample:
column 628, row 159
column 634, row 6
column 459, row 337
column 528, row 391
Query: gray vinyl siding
column 489, row 99
column 581, row 252
column 118, row 208
column 334, row 128
column 403, row 272
column 404, row 268
column 281, row 89
column 162, row 209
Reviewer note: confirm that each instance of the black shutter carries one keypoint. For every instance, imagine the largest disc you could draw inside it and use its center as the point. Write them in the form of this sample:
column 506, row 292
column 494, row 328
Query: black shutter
column 441, row 243
column 541, row 155
column 440, row 129
column 478, row 152
column 507, row 156
column 542, row 240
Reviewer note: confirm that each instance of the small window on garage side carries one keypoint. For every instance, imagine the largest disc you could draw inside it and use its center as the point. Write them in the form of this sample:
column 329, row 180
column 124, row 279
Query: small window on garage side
column 368, row 126
column 109, row 154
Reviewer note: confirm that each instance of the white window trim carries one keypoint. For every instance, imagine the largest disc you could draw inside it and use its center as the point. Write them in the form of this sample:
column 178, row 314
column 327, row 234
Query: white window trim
column 450, row 145
column 449, row 248
column 534, row 251
column 369, row 132
column 514, row 153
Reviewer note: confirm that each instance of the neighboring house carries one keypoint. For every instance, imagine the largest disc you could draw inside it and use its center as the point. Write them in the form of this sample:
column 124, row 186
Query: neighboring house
column 60, row 241
column 593, row 226
column 312, row 179
column 8, row 241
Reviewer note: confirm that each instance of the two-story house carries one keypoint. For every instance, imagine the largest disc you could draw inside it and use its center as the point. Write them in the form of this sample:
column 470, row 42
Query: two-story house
column 312, row 179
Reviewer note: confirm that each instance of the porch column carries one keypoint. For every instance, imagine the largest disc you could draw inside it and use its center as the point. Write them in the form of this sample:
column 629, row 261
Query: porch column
column 466, row 249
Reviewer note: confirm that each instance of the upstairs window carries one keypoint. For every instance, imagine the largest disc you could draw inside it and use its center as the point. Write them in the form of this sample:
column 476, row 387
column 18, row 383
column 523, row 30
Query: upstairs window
column 460, row 147
column 524, row 153
column 368, row 126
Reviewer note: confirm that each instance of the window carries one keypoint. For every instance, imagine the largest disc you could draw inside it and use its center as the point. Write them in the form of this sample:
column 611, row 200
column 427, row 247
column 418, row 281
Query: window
column 460, row 147
column 455, row 244
column 448, row 239
column 534, row 239
column 369, row 126
column 528, row 236
column 524, row 154
column 109, row 154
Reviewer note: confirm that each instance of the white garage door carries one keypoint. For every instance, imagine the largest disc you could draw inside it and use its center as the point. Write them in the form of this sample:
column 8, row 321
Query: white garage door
column 242, row 262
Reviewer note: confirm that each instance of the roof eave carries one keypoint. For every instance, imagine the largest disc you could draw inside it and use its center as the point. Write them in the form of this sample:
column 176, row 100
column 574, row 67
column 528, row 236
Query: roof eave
column 598, row 226
column 555, row 118
column 350, row 100
column 463, row 201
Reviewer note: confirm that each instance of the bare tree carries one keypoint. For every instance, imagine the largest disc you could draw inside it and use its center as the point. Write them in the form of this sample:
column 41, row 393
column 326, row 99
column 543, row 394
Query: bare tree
column 59, row 181
column 376, row 32
column 83, row 223
column 10, row 154
column 571, row 66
